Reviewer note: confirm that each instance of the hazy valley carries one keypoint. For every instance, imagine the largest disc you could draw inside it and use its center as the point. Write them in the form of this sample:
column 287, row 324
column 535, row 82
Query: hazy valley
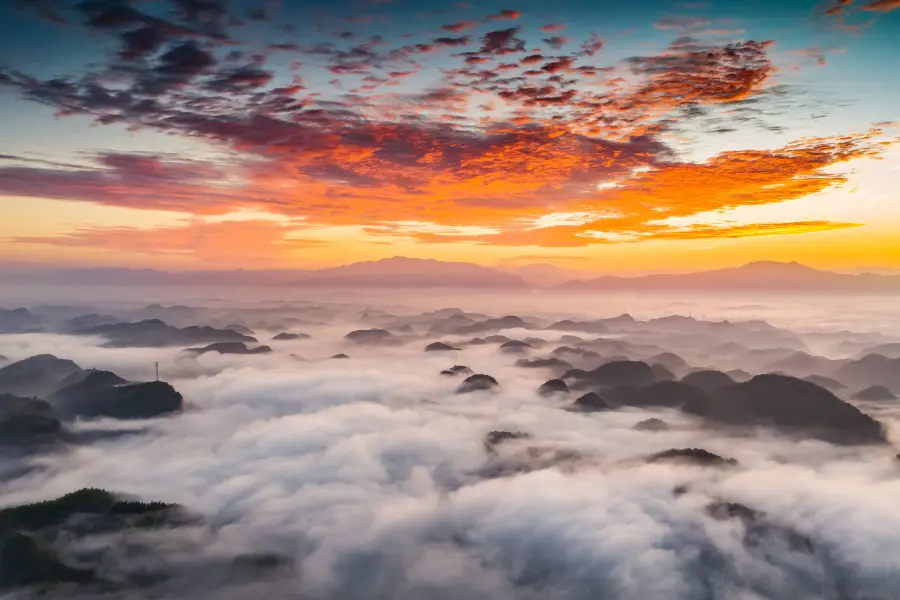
column 400, row 448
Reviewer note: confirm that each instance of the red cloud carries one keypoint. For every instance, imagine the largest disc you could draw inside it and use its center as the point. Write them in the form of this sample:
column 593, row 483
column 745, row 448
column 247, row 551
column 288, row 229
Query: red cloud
column 505, row 14
column 840, row 8
column 592, row 46
column 558, row 65
column 503, row 41
column 557, row 41
column 882, row 6
column 461, row 26
column 453, row 41
column 533, row 59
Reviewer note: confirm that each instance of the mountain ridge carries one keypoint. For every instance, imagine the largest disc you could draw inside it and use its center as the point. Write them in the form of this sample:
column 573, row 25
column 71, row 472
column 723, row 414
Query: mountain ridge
column 396, row 271
column 755, row 275
column 413, row 272
column 399, row 271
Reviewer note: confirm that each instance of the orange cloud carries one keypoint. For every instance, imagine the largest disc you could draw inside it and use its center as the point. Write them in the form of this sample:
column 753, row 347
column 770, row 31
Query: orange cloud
column 634, row 207
column 508, row 181
column 570, row 237
column 752, row 230
column 882, row 6
column 505, row 14
column 461, row 26
column 740, row 178
column 840, row 9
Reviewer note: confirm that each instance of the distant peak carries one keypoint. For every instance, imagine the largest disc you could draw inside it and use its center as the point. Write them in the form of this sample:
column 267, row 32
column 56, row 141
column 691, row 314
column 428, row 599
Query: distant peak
column 404, row 259
column 408, row 262
column 772, row 263
column 40, row 357
column 777, row 265
column 397, row 260
column 535, row 266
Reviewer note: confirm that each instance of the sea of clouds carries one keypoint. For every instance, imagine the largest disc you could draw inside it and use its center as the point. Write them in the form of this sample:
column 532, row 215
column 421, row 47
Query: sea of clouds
column 371, row 474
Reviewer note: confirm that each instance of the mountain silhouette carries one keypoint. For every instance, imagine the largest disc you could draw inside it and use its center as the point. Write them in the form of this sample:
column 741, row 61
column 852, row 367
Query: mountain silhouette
column 412, row 272
column 791, row 405
column 151, row 333
column 400, row 271
column 543, row 274
column 36, row 376
column 397, row 271
column 759, row 275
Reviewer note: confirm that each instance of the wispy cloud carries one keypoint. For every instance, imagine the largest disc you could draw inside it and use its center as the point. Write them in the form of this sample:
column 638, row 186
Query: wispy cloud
column 238, row 243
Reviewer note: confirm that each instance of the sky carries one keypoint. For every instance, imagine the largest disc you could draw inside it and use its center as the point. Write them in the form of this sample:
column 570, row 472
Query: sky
column 603, row 136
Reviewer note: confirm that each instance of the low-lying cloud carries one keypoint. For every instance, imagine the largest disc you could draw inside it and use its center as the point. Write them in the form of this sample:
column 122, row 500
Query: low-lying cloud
column 371, row 474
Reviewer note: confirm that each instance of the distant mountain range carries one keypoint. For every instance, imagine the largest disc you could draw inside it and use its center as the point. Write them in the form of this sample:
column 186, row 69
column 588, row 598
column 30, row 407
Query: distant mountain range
column 760, row 275
column 397, row 272
column 128, row 276
column 545, row 275
column 400, row 272
column 412, row 272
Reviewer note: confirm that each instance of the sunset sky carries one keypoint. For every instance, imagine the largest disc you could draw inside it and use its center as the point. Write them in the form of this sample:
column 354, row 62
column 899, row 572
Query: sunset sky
column 607, row 136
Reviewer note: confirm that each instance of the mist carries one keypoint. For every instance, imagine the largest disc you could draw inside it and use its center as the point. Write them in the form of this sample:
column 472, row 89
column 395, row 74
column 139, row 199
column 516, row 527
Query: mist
column 370, row 476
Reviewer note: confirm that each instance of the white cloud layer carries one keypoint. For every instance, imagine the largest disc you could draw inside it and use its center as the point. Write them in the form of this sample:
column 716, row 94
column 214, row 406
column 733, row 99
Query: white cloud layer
column 369, row 474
